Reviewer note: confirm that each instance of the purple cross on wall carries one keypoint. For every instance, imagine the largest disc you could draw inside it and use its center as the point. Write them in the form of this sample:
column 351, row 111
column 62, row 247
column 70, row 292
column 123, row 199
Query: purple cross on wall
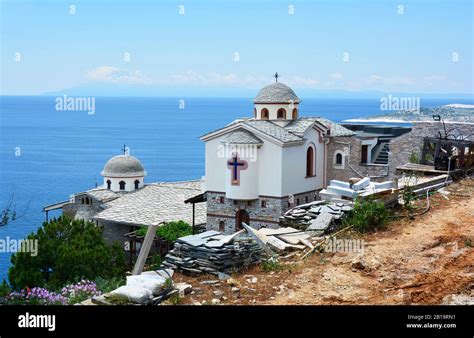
column 236, row 165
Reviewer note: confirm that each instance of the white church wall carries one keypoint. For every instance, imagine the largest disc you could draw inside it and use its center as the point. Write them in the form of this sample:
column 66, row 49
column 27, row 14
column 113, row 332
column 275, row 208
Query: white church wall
column 245, row 185
column 215, row 175
column 270, row 170
column 268, row 159
column 294, row 166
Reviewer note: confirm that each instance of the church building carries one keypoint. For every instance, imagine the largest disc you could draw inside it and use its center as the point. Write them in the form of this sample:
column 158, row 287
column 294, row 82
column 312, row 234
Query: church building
column 259, row 167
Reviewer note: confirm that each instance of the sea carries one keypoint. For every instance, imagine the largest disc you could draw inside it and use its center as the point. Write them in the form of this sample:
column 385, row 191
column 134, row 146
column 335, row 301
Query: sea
column 48, row 154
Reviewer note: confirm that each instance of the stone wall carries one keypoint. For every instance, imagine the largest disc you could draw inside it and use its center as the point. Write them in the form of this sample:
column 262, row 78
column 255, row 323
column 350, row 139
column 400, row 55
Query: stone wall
column 402, row 147
column 352, row 166
column 267, row 216
column 79, row 210
column 114, row 232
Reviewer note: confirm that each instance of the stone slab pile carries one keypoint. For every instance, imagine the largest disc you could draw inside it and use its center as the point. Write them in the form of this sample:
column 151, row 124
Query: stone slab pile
column 315, row 217
column 212, row 252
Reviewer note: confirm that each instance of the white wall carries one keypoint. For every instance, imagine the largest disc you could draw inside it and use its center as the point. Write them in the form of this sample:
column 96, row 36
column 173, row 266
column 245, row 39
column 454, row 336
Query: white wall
column 281, row 171
column 294, row 166
column 268, row 163
column 248, row 185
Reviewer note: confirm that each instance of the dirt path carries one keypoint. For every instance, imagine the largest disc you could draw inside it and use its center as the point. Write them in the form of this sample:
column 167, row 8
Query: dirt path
column 414, row 262
column 420, row 261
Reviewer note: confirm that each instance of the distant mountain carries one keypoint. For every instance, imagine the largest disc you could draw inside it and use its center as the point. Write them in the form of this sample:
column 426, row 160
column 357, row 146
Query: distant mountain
column 137, row 90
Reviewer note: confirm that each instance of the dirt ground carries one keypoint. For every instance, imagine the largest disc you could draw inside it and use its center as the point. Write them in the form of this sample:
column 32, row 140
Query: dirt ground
column 423, row 260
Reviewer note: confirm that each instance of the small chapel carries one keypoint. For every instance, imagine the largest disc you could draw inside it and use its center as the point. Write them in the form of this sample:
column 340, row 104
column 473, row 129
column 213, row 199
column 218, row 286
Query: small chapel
column 256, row 168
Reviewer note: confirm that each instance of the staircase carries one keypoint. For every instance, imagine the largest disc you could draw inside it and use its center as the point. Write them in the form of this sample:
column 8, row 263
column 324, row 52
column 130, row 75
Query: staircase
column 382, row 157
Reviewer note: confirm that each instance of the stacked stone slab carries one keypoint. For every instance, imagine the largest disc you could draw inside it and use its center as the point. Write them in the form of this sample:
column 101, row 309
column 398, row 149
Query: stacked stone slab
column 211, row 252
column 315, row 216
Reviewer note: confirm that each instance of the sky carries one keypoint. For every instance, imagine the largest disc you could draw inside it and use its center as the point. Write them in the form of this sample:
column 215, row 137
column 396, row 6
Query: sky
column 232, row 48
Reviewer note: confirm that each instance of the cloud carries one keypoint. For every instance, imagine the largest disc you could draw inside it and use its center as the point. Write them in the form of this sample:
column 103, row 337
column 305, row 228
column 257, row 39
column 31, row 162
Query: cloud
column 302, row 82
column 109, row 74
column 336, row 76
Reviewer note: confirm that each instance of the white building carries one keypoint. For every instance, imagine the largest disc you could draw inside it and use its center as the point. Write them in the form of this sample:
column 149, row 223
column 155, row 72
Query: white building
column 257, row 168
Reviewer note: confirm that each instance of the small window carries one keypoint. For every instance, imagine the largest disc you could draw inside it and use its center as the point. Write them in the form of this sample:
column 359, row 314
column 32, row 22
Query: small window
column 137, row 184
column 109, row 184
column 264, row 114
column 249, row 203
column 122, row 185
column 306, row 199
column 82, row 200
column 281, row 114
column 264, row 204
column 338, row 159
column 297, row 201
column 221, row 226
column 236, row 202
column 221, row 199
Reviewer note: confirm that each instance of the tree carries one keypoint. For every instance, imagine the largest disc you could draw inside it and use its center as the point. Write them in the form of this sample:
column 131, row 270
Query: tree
column 68, row 250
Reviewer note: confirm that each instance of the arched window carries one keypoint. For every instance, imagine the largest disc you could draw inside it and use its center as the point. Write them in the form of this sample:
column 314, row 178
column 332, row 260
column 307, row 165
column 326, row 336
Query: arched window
column 87, row 200
column 221, row 226
column 264, row 114
column 281, row 114
column 310, row 162
column 82, row 200
column 294, row 114
column 109, row 184
column 137, row 184
column 338, row 159
column 122, row 185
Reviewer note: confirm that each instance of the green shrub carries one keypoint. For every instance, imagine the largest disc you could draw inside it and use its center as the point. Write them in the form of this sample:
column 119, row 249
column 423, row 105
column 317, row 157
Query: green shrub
column 155, row 262
column 4, row 289
column 414, row 157
column 170, row 231
column 106, row 285
column 271, row 264
column 69, row 250
column 367, row 215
